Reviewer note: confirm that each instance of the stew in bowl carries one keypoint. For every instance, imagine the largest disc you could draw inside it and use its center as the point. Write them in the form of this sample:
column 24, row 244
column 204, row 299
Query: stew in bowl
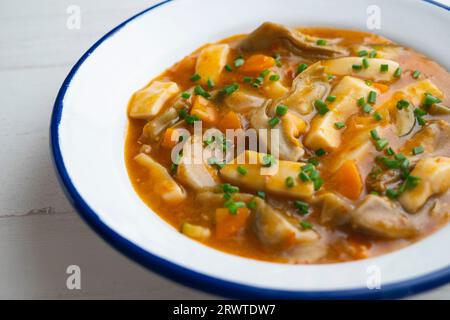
column 308, row 145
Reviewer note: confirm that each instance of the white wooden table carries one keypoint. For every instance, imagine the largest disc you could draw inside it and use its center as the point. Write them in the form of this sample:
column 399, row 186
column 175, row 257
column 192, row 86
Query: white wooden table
column 40, row 234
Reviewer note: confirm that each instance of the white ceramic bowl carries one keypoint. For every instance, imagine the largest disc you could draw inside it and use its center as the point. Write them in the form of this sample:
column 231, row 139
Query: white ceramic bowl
column 88, row 132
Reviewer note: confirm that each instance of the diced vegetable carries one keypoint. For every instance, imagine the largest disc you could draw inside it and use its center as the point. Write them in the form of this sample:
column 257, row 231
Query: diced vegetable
column 171, row 138
column 163, row 183
column 257, row 63
column 347, row 180
column 242, row 101
column 229, row 225
column 344, row 66
column 434, row 175
column 148, row 102
column 414, row 93
column 276, row 183
column 205, row 110
column 211, row 62
column 322, row 133
column 231, row 120
column 195, row 232
column 381, row 87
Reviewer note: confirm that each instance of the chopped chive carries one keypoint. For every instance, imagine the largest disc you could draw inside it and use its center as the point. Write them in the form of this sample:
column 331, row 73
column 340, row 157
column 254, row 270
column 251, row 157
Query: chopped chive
column 307, row 167
column 372, row 98
column 274, row 77
column 190, row 119
column 331, row 98
column 302, row 207
column 361, row 101
column 274, row 121
column 368, row 83
column 228, row 188
column 247, row 79
column 381, row 144
column 229, row 89
column 210, row 83
column 421, row 121
column 228, row 68
column 418, row 150
column 419, row 112
column 362, row 53
column 318, row 183
column 242, row 170
column 429, row 100
column 377, row 116
column 384, row 68
column 199, row 91
column 281, row 110
column 265, row 73
column 416, row 74
column 213, row 161
column 277, row 58
column 401, row 104
column 185, row 95
column 304, row 176
column 314, row 174
column 320, row 152
column 268, row 160
column 321, row 107
column 356, row 67
column 261, row 194
column 239, row 62
column 306, row 225
column 321, row 42
column 391, row 194
column 195, row 77
column 411, row 182
column 313, row 161
column 302, row 67
column 373, row 54
column 251, row 204
column 398, row 72
column 367, row 108
column 374, row 134
column 390, row 152
column 173, row 167
column 339, row 125
column 289, row 182
column 182, row 113
column 365, row 63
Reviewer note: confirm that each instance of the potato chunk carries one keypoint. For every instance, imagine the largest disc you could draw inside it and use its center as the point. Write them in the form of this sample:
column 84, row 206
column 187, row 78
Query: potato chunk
column 434, row 174
column 323, row 133
column 163, row 183
column 148, row 102
column 274, row 183
column 414, row 93
column 211, row 62
column 344, row 66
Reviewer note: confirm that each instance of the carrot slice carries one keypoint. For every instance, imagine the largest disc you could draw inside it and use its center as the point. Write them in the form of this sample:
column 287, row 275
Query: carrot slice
column 257, row 63
column 205, row 110
column 382, row 87
column 347, row 180
column 228, row 225
column 170, row 138
column 230, row 121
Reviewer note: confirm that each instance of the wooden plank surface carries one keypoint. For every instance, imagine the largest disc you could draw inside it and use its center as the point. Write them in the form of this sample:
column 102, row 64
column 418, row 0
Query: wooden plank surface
column 40, row 234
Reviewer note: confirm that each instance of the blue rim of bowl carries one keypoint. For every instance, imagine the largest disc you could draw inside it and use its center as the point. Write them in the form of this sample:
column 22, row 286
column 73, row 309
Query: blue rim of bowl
column 192, row 278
